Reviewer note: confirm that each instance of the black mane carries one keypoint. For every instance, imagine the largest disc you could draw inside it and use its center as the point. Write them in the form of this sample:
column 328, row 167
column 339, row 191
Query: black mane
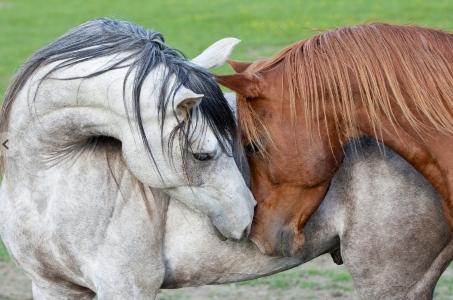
column 145, row 50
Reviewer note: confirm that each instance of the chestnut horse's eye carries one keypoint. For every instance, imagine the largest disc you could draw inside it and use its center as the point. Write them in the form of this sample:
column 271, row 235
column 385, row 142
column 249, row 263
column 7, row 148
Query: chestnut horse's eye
column 251, row 148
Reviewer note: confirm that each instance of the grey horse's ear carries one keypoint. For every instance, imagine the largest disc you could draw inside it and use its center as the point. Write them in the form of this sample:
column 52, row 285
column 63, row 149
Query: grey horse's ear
column 185, row 100
column 216, row 54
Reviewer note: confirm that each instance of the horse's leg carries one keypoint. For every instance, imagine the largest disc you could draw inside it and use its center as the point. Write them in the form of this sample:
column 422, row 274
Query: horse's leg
column 39, row 294
column 57, row 291
column 130, row 263
column 128, row 282
column 129, row 268
column 425, row 286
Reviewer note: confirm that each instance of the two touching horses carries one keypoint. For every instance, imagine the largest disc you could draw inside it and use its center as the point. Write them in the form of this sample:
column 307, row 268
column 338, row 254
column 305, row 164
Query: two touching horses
column 298, row 109
column 108, row 123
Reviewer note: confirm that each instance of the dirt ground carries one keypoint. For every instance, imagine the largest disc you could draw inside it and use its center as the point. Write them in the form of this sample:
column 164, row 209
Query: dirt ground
column 319, row 279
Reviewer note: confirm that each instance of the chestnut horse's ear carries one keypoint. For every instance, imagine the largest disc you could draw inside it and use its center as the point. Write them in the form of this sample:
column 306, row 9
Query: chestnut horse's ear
column 245, row 84
column 239, row 66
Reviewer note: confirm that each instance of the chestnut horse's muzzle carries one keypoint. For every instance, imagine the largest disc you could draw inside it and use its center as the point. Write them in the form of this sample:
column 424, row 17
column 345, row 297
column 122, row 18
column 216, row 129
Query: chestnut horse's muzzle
column 286, row 241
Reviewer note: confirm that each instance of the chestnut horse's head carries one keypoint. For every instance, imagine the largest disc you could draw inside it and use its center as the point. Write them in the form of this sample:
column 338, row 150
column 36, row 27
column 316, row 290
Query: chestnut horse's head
column 297, row 109
column 290, row 167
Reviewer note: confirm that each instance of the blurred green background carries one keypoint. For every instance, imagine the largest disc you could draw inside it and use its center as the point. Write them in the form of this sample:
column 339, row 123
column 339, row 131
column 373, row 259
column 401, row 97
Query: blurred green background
column 264, row 26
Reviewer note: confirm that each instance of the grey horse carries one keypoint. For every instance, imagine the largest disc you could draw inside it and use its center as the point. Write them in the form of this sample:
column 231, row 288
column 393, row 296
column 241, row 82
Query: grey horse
column 109, row 83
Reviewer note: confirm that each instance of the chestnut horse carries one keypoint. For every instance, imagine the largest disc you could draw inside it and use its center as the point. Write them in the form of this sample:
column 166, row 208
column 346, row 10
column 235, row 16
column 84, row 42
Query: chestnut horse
column 298, row 109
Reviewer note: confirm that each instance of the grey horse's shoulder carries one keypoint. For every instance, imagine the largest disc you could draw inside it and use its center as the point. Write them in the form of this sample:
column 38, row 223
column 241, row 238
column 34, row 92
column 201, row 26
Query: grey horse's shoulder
column 368, row 153
column 370, row 158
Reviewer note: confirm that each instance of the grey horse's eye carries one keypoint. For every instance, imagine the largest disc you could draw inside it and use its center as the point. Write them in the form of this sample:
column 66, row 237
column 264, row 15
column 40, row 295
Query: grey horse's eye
column 203, row 156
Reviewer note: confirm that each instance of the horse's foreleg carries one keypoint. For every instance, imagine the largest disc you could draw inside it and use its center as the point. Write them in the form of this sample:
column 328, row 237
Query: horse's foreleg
column 129, row 274
column 58, row 291
column 144, row 287
column 425, row 286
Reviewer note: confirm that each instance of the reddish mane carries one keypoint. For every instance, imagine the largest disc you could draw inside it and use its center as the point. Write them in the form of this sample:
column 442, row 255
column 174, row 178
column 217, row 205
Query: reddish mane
column 404, row 71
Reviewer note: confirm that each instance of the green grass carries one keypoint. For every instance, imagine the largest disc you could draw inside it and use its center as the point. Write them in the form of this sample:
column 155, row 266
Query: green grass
column 311, row 278
column 3, row 253
column 264, row 26
column 444, row 288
